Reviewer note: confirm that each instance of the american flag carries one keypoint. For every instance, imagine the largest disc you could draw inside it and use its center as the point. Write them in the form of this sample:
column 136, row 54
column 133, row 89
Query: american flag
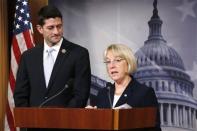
column 21, row 41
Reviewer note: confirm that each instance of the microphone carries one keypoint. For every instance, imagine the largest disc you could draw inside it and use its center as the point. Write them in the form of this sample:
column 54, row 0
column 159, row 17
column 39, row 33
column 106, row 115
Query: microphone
column 108, row 86
column 67, row 85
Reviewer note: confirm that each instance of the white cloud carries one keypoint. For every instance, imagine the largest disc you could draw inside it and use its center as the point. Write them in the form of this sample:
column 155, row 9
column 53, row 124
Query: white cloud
column 193, row 71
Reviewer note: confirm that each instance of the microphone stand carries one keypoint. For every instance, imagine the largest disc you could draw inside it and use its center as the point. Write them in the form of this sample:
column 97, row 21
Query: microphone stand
column 108, row 93
column 68, row 84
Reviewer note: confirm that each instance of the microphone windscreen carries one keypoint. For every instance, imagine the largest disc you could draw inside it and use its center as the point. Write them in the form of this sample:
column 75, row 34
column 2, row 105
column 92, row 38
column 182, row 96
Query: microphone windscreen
column 108, row 85
column 70, row 83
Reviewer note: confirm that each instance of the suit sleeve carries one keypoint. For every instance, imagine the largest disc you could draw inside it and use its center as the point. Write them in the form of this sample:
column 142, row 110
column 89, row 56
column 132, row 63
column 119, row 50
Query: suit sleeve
column 82, row 80
column 21, row 92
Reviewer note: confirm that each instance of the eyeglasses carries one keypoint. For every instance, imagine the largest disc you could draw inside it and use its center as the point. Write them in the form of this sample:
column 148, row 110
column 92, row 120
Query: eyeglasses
column 115, row 61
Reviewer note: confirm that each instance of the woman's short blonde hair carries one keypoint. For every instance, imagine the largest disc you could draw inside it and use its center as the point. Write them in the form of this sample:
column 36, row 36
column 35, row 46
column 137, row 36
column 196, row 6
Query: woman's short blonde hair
column 122, row 51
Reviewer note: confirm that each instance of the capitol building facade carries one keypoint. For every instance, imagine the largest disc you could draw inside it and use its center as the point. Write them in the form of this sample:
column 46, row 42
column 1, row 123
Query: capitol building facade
column 161, row 67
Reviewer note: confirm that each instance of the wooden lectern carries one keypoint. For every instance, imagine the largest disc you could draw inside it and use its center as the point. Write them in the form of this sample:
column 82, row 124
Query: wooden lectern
column 81, row 118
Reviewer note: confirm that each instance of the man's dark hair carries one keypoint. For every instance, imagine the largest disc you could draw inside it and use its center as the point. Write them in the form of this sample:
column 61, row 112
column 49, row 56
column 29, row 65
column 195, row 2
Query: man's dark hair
column 47, row 12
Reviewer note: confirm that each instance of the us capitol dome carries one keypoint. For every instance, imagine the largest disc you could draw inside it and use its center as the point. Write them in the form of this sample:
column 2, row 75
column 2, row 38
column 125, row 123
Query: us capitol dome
column 161, row 67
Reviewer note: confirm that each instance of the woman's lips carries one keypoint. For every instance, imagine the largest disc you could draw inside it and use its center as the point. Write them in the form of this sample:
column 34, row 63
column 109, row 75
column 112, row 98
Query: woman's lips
column 114, row 72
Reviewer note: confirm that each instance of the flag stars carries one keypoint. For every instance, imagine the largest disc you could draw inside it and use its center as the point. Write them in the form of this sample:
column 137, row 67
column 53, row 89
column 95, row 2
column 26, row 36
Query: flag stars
column 22, row 10
column 20, row 18
column 17, row 26
column 26, row 22
column 27, row 15
column 17, row 7
column 24, row 3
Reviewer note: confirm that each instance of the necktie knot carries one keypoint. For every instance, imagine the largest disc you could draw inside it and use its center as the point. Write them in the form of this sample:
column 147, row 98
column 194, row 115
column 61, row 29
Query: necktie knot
column 50, row 54
column 50, row 50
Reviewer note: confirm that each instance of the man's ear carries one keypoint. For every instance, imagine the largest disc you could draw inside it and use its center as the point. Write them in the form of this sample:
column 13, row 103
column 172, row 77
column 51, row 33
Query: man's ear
column 39, row 28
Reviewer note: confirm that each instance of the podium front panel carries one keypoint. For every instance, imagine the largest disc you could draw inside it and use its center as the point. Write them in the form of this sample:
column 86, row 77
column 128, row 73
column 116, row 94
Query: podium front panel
column 136, row 118
column 67, row 118
column 81, row 118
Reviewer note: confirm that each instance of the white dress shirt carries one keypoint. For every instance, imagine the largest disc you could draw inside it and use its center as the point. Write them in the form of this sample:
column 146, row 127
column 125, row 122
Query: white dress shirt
column 53, row 54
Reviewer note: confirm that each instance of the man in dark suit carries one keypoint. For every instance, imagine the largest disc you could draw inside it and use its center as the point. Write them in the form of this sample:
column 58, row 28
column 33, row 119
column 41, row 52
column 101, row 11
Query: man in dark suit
column 62, row 82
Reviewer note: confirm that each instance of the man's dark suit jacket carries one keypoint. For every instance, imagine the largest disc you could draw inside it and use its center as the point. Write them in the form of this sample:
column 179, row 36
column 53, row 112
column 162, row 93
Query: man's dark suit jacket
column 72, row 63
column 135, row 95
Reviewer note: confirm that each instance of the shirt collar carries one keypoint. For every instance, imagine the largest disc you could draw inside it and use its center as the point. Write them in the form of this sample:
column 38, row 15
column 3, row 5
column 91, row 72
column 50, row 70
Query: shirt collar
column 56, row 47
